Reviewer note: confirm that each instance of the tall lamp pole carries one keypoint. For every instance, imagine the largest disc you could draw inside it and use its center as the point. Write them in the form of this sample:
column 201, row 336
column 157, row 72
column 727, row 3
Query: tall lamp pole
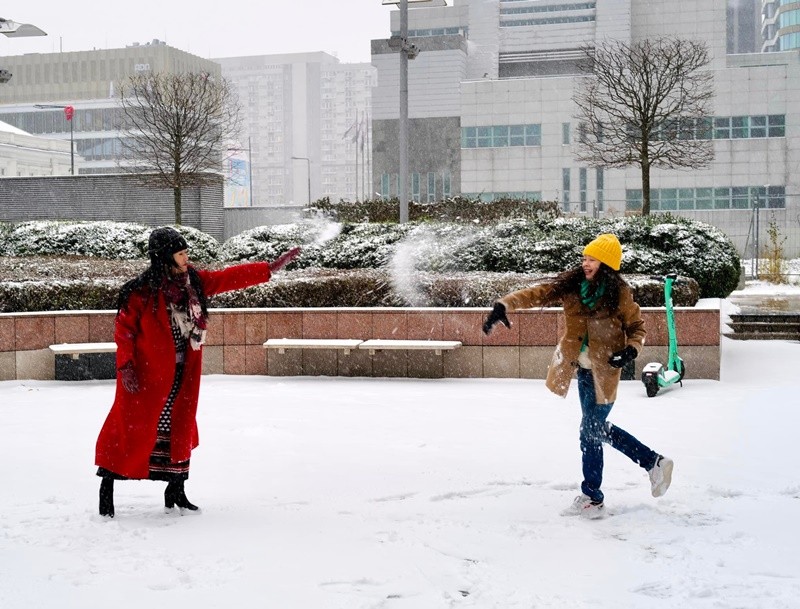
column 407, row 51
column 12, row 29
column 403, row 136
column 69, row 112
column 308, row 173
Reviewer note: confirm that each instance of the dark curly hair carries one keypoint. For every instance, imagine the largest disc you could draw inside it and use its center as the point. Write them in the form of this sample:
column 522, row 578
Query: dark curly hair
column 569, row 282
column 152, row 279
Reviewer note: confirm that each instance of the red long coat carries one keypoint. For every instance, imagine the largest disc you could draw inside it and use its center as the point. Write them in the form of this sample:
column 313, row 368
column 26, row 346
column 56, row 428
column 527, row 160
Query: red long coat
column 143, row 336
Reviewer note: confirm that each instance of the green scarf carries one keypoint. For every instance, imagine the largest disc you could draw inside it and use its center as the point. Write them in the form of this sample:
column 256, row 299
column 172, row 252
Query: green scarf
column 589, row 297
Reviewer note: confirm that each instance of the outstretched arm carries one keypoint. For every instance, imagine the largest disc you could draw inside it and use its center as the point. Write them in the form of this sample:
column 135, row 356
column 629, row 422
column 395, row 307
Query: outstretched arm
column 243, row 275
column 521, row 299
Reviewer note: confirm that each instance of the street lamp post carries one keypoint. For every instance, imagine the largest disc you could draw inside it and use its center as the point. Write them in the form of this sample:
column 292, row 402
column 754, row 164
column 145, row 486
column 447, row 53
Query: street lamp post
column 407, row 51
column 12, row 29
column 69, row 112
column 308, row 173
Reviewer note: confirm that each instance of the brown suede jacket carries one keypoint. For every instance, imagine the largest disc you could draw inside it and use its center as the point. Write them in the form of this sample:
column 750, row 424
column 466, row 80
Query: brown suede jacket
column 608, row 331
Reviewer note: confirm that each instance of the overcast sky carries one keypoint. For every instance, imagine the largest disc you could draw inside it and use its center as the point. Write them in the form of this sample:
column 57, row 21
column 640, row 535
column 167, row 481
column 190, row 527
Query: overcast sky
column 203, row 27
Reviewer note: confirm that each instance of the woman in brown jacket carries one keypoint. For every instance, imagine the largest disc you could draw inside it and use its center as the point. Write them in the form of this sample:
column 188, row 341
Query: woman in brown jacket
column 604, row 331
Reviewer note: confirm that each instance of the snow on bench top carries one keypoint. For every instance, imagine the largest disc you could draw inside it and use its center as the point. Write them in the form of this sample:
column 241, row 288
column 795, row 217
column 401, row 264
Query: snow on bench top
column 84, row 348
column 312, row 343
column 438, row 345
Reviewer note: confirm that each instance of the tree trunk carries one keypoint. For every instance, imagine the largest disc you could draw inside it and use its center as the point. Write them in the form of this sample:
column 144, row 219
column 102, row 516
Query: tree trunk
column 645, row 189
column 176, row 194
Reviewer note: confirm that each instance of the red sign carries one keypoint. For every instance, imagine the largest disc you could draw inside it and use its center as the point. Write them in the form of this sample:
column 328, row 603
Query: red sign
column 69, row 111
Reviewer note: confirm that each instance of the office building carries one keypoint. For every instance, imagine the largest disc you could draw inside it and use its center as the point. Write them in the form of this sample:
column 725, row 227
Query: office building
column 306, row 125
column 88, row 81
column 491, row 111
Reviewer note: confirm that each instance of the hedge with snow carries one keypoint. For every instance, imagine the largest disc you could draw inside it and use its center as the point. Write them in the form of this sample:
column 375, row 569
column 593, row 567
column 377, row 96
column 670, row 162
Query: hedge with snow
column 367, row 264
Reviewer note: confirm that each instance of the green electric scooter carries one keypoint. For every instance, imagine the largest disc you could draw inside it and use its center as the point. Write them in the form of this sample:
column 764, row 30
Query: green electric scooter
column 655, row 375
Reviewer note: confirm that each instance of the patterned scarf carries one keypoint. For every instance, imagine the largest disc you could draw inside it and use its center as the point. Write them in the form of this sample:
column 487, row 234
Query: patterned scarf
column 591, row 297
column 185, row 309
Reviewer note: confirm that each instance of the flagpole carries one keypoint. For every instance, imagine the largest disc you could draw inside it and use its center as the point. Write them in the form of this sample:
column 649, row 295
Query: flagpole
column 355, row 141
column 363, row 155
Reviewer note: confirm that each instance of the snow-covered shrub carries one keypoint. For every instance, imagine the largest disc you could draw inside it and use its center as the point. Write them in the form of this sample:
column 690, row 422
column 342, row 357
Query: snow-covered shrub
column 362, row 246
column 115, row 240
column 440, row 247
column 316, row 288
column 524, row 246
column 653, row 245
column 5, row 230
column 104, row 239
column 663, row 243
column 58, row 295
column 324, row 244
column 264, row 242
column 452, row 209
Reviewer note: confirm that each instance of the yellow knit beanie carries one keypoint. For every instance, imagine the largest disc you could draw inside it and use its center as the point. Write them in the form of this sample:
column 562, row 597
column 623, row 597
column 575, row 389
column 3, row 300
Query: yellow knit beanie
column 607, row 249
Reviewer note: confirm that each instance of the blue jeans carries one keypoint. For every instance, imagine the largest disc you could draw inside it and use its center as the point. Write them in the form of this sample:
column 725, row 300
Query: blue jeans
column 595, row 430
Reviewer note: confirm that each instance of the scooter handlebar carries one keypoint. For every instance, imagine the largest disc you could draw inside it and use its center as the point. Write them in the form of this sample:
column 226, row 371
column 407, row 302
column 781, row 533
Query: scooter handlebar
column 674, row 276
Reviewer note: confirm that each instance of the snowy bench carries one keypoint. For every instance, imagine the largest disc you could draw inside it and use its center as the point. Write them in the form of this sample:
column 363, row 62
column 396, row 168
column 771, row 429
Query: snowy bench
column 281, row 344
column 84, row 361
column 412, row 345
column 77, row 349
column 367, row 362
column 372, row 345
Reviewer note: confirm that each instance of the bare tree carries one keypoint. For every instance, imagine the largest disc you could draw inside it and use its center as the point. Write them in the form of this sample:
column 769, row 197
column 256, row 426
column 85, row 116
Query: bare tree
column 646, row 103
column 177, row 128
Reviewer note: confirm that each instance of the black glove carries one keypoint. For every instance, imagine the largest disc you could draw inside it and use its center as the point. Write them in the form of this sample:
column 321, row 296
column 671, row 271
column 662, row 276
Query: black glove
column 498, row 314
column 620, row 358
column 128, row 377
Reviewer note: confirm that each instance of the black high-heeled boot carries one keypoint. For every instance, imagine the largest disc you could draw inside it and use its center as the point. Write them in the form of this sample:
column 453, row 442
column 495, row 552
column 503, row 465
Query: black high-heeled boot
column 107, row 497
column 176, row 495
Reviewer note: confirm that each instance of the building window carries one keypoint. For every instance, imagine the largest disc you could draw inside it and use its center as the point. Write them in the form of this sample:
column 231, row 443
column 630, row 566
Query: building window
column 431, row 187
column 385, row 186
column 501, row 136
column 415, row 186
column 446, row 188
column 776, row 125
column 582, row 131
column 565, row 187
column 582, row 179
column 600, row 187
column 738, row 197
column 565, row 134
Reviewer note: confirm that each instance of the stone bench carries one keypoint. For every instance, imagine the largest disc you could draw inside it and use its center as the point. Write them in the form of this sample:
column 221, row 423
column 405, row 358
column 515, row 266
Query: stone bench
column 84, row 361
column 281, row 344
column 370, row 357
column 437, row 346
column 372, row 345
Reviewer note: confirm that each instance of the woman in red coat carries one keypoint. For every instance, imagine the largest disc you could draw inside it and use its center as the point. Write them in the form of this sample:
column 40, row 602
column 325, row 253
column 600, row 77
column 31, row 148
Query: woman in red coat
column 159, row 330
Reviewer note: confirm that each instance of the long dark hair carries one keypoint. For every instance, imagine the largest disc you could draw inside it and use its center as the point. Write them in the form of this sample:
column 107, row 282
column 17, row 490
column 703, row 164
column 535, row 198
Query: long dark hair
column 152, row 279
column 569, row 282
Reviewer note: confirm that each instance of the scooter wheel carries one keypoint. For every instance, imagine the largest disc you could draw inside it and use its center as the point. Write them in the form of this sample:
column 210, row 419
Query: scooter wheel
column 651, row 386
column 682, row 371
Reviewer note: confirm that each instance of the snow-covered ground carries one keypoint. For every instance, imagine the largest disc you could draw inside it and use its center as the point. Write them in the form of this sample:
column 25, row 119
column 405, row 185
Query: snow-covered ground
column 374, row 493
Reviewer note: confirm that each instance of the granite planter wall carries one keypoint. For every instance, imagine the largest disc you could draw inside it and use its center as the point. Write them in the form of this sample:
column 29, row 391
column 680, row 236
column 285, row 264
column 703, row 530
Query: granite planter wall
column 236, row 336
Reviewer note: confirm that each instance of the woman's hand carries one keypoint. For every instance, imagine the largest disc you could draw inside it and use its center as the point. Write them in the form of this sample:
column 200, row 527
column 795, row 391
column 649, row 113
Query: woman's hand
column 128, row 377
column 620, row 358
column 498, row 314
column 284, row 259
